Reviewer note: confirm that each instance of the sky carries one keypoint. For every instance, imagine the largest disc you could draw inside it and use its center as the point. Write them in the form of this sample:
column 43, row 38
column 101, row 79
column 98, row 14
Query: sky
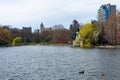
column 25, row 13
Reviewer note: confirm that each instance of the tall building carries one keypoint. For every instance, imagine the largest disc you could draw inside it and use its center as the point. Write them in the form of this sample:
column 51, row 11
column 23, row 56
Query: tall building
column 105, row 12
column 41, row 27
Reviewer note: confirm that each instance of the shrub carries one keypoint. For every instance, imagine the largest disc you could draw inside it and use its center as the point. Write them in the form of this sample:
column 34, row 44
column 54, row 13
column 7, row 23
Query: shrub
column 17, row 41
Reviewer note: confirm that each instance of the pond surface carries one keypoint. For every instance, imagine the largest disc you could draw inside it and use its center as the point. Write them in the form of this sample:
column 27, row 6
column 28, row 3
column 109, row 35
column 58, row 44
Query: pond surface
column 59, row 63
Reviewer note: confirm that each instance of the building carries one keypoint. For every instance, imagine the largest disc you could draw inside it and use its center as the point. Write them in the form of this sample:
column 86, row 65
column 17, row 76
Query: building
column 42, row 28
column 37, row 31
column 105, row 12
column 47, row 29
column 26, row 34
column 27, row 29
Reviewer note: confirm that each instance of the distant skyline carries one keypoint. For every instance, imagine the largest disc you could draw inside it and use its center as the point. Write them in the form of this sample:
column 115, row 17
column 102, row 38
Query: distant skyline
column 50, row 12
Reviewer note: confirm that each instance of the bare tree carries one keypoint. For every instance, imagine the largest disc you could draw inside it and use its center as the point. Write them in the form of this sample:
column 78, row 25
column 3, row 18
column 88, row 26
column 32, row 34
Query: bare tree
column 110, row 29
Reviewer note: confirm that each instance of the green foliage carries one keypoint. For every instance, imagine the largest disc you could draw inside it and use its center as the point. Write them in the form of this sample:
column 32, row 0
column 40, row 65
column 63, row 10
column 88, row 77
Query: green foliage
column 74, row 26
column 5, row 36
column 89, row 34
column 17, row 41
column 77, row 39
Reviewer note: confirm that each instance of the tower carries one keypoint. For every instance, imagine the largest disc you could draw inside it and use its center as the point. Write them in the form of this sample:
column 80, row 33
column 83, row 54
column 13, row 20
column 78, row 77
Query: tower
column 105, row 12
column 41, row 27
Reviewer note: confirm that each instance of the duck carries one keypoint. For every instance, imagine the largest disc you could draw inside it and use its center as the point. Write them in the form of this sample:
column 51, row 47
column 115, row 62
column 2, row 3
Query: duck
column 102, row 74
column 81, row 72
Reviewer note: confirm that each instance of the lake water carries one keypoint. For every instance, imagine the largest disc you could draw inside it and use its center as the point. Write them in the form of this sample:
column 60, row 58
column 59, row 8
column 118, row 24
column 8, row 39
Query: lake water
column 58, row 63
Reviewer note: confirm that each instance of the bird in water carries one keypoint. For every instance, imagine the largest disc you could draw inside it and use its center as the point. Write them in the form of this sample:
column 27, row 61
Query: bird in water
column 81, row 72
column 102, row 74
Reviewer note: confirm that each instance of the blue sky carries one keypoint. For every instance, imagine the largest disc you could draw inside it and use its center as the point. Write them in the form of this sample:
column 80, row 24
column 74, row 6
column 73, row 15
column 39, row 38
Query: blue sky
column 50, row 12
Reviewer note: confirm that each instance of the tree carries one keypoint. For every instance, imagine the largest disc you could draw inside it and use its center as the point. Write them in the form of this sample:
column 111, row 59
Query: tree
column 89, row 34
column 60, row 34
column 26, row 34
column 17, row 41
column 35, row 37
column 5, row 36
column 46, row 36
column 58, row 27
column 74, row 26
column 101, row 37
column 110, row 29
column 118, row 27
column 16, row 32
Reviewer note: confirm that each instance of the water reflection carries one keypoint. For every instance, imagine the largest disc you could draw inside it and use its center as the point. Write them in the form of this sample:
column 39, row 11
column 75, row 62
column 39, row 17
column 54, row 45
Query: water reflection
column 58, row 63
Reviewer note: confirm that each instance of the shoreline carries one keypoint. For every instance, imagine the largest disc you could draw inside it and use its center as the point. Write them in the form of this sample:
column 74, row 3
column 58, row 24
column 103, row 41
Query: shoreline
column 59, row 44
column 108, row 47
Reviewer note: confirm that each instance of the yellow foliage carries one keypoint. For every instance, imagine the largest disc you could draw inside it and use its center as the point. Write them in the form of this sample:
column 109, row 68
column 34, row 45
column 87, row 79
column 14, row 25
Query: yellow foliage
column 17, row 41
column 89, row 33
column 5, row 35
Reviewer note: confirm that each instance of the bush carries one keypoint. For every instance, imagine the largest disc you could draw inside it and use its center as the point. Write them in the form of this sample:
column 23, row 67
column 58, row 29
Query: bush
column 88, row 45
column 89, row 34
column 17, row 41
column 5, row 37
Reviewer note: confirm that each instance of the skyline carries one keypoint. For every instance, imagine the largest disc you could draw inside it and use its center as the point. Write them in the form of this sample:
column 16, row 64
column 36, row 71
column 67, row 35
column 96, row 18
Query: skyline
column 27, row 13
